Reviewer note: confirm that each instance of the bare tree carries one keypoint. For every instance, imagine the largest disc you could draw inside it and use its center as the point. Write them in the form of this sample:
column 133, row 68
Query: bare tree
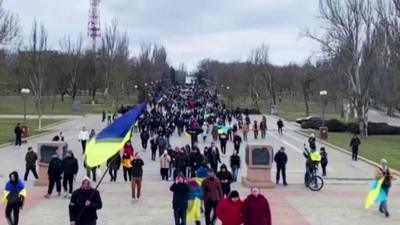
column 72, row 58
column 9, row 28
column 34, row 62
column 349, row 26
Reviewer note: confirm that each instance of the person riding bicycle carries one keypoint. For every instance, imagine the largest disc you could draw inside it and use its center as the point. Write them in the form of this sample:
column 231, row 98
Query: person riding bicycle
column 313, row 159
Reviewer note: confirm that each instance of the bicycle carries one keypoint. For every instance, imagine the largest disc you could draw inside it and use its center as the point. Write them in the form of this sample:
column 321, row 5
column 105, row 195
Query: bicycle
column 313, row 181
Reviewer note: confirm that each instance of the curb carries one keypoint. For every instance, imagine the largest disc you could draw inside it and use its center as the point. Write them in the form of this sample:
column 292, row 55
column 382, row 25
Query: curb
column 44, row 129
column 396, row 172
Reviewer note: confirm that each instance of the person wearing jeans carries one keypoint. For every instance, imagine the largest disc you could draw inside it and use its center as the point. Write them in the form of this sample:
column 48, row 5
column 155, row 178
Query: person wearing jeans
column 235, row 165
column 383, row 172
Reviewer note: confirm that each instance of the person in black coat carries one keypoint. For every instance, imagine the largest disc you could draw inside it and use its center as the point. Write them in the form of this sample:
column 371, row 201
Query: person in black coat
column 354, row 144
column 144, row 136
column 324, row 160
column 153, row 146
column 213, row 157
column 180, row 200
column 84, row 204
column 18, row 134
column 281, row 160
column 223, row 139
column 137, row 174
column 70, row 169
column 195, row 160
column 235, row 165
column 54, row 172
column 237, row 140
column 114, row 164
column 225, row 177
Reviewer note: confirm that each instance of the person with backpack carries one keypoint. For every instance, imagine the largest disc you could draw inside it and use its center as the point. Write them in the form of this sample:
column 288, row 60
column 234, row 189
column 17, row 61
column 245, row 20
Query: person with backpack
column 127, row 166
column 54, row 172
column 14, row 197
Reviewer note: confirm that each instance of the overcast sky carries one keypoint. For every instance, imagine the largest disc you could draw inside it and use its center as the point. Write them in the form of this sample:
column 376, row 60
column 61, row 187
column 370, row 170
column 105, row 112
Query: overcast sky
column 190, row 30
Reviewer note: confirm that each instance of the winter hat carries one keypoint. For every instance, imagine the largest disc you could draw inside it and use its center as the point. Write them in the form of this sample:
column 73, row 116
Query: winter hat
column 85, row 178
column 234, row 194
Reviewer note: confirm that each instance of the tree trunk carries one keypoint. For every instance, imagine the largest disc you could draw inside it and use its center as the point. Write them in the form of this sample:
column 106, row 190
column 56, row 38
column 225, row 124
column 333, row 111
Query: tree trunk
column 94, row 94
column 39, row 111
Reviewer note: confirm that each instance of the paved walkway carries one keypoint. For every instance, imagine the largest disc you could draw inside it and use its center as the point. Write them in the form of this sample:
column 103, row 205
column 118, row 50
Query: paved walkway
column 339, row 202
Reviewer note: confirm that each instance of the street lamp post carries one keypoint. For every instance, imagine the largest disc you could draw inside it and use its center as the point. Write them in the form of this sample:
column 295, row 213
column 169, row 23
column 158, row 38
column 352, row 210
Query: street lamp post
column 323, row 95
column 25, row 92
column 229, row 97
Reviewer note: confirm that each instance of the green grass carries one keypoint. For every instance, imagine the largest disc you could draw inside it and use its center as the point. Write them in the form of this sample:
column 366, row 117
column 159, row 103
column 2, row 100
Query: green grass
column 374, row 147
column 290, row 108
column 14, row 105
column 7, row 127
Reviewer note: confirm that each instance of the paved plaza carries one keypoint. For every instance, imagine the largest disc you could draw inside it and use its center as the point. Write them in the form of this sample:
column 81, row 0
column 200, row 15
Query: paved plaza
column 339, row 202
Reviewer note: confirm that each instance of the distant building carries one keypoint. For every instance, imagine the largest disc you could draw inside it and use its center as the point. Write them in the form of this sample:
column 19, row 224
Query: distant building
column 190, row 79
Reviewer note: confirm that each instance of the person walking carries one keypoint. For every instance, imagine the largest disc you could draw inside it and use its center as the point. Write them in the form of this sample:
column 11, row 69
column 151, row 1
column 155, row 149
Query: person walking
column 127, row 166
column 18, row 134
column 255, row 129
column 245, row 130
column 14, row 198
column 324, row 160
column 84, row 204
column 237, row 140
column 165, row 161
column 280, row 126
column 281, row 160
column 384, row 172
column 235, row 165
column 225, row 177
column 255, row 209
column 354, row 144
column 180, row 200
column 70, row 169
column 83, row 137
column 212, row 190
column 137, row 174
column 113, row 165
column 193, row 213
column 228, row 210
column 153, row 146
column 214, row 157
column 54, row 172
column 144, row 137
column 263, row 127
column 30, row 163
column 223, row 139
column 103, row 116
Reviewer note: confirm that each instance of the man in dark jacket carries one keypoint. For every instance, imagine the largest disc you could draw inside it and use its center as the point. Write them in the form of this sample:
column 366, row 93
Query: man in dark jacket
column 83, row 205
column 114, row 164
column 354, row 144
column 212, row 190
column 255, row 209
column 70, row 169
column 213, row 157
column 195, row 160
column 30, row 159
column 280, row 126
column 18, row 134
column 54, row 172
column 137, row 174
column 235, row 165
column 144, row 136
column 223, row 139
column 225, row 177
column 281, row 160
column 180, row 200
column 237, row 140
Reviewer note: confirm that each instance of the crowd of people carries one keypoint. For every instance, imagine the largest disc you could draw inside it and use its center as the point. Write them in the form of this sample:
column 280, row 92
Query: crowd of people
column 201, row 182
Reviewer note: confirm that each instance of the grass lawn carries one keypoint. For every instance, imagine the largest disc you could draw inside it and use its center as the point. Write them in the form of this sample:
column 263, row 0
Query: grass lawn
column 7, row 127
column 290, row 108
column 14, row 105
column 374, row 147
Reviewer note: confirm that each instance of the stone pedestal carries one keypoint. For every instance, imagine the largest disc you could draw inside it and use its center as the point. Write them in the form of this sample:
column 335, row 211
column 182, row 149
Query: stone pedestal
column 259, row 164
column 46, row 150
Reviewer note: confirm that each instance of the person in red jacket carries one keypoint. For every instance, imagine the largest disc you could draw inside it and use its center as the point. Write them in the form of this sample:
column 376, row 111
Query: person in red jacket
column 255, row 209
column 128, row 148
column 228, row 210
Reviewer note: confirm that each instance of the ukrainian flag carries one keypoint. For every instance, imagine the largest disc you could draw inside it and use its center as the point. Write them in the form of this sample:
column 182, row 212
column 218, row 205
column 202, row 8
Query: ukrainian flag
column 376, row 194
column 112, row 138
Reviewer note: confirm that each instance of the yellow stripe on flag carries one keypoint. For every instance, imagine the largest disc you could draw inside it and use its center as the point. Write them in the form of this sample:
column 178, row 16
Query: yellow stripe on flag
column 373, row 194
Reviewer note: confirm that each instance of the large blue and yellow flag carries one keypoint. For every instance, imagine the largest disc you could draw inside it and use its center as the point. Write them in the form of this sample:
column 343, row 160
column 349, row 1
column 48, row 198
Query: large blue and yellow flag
column 376, row 194
column 112, row 138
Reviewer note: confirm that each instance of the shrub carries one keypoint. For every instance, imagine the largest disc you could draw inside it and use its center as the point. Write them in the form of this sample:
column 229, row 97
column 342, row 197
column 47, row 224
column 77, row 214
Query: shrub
column 335, row 125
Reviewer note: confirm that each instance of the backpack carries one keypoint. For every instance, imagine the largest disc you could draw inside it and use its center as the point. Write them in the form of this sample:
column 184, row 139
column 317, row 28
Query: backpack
column 13, row 198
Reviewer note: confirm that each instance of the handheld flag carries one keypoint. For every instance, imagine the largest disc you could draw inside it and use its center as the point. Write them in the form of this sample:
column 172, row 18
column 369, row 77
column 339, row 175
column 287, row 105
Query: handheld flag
column 112, row 138
column 376, row 194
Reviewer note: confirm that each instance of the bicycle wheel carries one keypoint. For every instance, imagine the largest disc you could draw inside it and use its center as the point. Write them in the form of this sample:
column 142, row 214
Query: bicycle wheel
column 316, row 184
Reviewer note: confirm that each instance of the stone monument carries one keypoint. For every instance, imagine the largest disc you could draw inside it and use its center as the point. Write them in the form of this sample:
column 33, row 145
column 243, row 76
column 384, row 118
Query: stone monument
column 259, row 160
column 46, row 150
